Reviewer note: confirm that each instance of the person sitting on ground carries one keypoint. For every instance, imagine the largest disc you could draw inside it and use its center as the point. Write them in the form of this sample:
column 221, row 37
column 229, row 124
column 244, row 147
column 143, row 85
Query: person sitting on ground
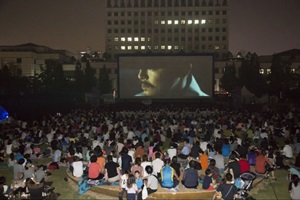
column 215, row 171
column 190, row 176
column 185, row 151
column 208, row 182
column 19, row 169
column 203, row 159
column 112, row 170
column 263, row 165
column 169, row 178
column 35, row 189
column 137, row 166
column 144, row 164
column 176, row 165
column 244, row 164
column 227, row 190
column 77, row 167
column 3, row 188
column 140, row 184
column 152, row 180
column 94, row 170
column 294, row 187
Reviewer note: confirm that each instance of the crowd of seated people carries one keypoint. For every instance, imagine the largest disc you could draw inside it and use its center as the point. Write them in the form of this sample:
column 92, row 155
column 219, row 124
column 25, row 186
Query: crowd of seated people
column 176, row 142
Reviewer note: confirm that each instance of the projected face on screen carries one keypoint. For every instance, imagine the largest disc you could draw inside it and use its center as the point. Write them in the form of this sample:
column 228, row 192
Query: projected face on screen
column 168, row 82
column 165, row 77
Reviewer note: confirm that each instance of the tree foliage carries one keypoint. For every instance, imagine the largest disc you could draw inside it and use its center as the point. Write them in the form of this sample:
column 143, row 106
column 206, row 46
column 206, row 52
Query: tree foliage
column 105, row 84
column 89, row 78
column 250, row 77
column 229, row 80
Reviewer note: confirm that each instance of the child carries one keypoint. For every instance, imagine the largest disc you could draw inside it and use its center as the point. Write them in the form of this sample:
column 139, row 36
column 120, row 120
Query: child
column 208, row 183
column 139, row 183
column 123, row 183
column 131, row 188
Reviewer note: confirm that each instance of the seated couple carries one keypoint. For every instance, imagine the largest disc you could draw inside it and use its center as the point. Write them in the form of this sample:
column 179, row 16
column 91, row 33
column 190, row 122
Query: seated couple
column 169, row 178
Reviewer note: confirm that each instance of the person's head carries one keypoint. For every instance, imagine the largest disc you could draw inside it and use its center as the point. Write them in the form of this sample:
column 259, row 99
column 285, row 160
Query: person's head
column 157, row 155
column 93, row 158
column 212, row 162
column 208, row 172
column 174, row 159
column 130, row 180
column 137, row 174
column 145, row 158
column 228, row 177
column 192, row 164
column 149, row 169
column 156, row 81
column 167, row 161
column 138, row 161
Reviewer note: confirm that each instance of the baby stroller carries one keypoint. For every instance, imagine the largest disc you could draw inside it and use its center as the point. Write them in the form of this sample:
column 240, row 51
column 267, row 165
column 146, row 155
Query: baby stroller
column 245, row 184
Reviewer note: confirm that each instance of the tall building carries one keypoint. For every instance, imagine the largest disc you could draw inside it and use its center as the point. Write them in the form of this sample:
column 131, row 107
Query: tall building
column 165, row 26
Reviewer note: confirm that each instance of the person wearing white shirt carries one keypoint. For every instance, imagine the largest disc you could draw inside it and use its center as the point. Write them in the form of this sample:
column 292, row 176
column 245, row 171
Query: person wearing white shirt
column 172, row 151
column 287, row 150
column 157, row 164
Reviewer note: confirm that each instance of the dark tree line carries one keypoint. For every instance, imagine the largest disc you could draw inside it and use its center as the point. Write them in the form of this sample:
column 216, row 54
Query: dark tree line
column 281, row 82
column 51, row 89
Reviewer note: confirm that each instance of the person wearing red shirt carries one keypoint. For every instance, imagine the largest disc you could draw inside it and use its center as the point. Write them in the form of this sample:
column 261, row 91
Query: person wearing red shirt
column 260, row 165
column 244, row 165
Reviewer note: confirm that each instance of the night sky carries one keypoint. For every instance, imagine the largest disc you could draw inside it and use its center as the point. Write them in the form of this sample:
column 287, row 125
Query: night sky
column 261, row 26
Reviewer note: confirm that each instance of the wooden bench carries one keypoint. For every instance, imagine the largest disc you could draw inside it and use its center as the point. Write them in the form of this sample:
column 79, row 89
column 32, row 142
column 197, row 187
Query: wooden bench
column 161, row 193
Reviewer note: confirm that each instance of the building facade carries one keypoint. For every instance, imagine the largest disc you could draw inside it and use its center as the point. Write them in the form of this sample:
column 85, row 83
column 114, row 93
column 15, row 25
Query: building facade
column 167, row 26
column 29, row 58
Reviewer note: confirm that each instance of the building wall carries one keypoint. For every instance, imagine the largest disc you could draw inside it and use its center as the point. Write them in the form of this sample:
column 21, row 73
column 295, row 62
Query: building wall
column 167, row 26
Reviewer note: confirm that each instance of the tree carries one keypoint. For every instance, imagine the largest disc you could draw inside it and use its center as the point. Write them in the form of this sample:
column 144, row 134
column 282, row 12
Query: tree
column 90, row 79
column 106, row 56
column 229, row 80
column 105, row 84
column 52, row 75
column 250, row 77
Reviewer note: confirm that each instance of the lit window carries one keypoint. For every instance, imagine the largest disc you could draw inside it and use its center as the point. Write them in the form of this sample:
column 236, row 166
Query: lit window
column 136, row 39
column 142, row 39
column 203, row 21
column 190, row 21
column 116, row 39
column 123, row 39
column 136, row 47
column 163, row 47
column 196, row 21
column 176, row 22
column 293, row 70
column 169, row 47
column 169, row 21
column 268, row 71
column 129, row 39
column 163, row 22
column 261, row 71
column 176, row 47
column 182, row 21
column 143, row 47
column 123, row 48
column 217, row 47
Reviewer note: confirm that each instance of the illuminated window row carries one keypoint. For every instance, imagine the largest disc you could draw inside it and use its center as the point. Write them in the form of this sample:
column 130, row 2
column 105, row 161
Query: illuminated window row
column 183, row 21
column 268, row 71
column 162, row 47
column 131, row 39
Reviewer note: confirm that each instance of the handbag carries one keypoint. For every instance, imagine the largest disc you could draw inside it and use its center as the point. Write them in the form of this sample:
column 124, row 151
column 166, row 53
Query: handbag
column 144, row 192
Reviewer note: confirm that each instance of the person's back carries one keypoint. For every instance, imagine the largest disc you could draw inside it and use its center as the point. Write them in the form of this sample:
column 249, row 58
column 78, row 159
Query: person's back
column 167, row 177
column 190, row 176
column 35, row 190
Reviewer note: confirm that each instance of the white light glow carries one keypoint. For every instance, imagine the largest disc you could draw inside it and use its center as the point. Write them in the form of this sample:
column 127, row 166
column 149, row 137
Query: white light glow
column 143, row 47
column 143, row 39
column 136, row 39
column 196, row 21
column 169, row 47
column 163, row 22
column 169, row 21
column 123, row 39
column 176, row 22
column 190, row 21
column 129, row 39
column 123, row 48
column 203, row 21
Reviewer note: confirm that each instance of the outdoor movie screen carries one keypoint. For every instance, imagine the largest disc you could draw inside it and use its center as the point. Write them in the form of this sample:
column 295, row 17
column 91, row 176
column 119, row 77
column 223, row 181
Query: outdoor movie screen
column 165, row 76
